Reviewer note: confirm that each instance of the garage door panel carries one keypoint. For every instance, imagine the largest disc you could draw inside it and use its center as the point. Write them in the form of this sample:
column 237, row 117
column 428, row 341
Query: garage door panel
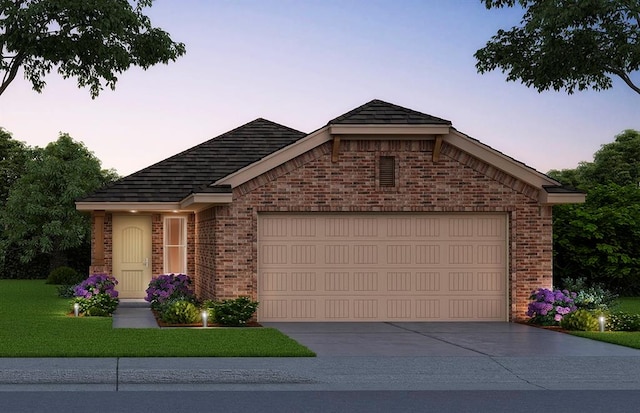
column 376, row 308
column 342, row 267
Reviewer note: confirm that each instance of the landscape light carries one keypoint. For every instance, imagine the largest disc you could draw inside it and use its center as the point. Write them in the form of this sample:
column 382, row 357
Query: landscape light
column 205, row 314
column 601, row 320
column 76, row 309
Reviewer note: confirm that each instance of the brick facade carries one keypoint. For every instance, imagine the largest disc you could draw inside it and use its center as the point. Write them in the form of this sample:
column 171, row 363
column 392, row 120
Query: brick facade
column 226, row 236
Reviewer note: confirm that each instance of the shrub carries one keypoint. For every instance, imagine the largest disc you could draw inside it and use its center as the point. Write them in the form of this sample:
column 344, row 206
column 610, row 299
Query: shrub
column 234, row 312
column 549, row 307
column 64, row 276
column 97, row 295
column 66, row 291
column 622, row 321
column 168, row 287
column 179, row 311
column 580, row 320
column 594, row 297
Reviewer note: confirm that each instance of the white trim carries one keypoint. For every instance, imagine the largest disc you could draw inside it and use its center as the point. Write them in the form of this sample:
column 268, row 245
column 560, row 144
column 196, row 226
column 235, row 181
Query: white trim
column 561, row 198
column 498, row 160
column 197, row 201
column 192, row 203
column 389, row 129
column 183, row 243
column 128, row 206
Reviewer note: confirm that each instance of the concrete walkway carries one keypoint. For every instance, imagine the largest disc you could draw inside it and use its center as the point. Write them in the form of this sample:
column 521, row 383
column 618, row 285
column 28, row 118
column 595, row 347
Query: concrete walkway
column 134, row 314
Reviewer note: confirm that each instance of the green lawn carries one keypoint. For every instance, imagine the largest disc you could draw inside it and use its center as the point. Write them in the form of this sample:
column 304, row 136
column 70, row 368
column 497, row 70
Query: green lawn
column 628, row 339
column 34, row 323
column 629, row 305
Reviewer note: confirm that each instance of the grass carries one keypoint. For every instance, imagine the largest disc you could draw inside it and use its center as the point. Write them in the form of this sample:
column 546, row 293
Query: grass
column 627, row 339
column 629, row 305
column 623, row 338
column 34, row 323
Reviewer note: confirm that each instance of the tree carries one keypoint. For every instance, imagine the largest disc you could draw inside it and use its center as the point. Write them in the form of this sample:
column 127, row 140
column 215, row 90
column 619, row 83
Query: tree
column 600, row 239
column 567, row 44
column 617, row 162
column 14, row 156
column 40, row 215
column 90, row 40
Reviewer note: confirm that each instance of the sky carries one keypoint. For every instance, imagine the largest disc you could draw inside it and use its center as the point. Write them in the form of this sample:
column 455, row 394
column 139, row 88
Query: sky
column 302, row 63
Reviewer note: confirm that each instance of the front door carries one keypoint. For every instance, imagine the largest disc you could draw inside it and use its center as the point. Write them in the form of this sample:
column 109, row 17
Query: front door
column 132, row 254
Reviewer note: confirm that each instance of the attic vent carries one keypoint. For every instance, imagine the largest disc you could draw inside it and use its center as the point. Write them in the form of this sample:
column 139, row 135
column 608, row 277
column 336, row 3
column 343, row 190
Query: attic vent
column 387, row 175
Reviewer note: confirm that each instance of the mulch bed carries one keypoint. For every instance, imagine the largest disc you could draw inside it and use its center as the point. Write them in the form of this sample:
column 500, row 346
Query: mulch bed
column 162, row 324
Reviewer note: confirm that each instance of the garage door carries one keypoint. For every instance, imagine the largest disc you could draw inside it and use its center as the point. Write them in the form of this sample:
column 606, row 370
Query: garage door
column 338, row 267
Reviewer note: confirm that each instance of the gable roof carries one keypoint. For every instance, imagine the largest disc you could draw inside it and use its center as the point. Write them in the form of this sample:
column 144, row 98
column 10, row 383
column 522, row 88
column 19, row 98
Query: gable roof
column 378, row 112
column 193, row 170
column 205, row 174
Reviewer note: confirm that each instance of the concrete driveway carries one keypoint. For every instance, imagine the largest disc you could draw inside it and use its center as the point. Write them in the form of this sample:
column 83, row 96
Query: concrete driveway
column 443, row 339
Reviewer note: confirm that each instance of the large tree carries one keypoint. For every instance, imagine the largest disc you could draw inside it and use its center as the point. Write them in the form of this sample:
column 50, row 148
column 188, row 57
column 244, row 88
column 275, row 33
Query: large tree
column 567, row 44
column 40, row 215
column 90, row 40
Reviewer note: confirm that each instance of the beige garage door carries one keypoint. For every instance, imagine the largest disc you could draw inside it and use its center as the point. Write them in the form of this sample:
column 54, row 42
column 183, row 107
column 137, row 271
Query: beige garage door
column 339, row 267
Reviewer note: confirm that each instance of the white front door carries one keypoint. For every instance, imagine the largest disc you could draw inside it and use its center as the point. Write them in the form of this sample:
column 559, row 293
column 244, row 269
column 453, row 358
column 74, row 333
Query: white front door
column 132, row 254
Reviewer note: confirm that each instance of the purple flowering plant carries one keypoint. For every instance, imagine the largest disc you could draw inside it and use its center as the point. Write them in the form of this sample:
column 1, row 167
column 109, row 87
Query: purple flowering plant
column 97, row 295
column 167, row 287
column 550, row 306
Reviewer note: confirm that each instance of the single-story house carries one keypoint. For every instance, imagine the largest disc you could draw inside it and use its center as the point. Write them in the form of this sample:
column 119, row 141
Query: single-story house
column 384, row 213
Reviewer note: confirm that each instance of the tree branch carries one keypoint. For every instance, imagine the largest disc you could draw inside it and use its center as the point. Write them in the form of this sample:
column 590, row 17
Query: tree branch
column 8, row 77
column 622, row 75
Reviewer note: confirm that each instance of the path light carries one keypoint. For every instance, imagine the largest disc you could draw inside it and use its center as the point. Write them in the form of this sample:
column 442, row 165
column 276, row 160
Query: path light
column 601, row 320
column 76, row 309
column 205, row 314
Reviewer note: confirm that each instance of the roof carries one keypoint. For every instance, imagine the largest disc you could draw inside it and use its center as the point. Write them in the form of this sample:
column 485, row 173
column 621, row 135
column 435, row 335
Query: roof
column 378, row 112
column 209, row 170
column 193, row 170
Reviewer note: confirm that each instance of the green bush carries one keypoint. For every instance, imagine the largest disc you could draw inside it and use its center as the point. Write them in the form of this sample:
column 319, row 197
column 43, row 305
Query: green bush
column 99, row 305
column 64, row 276
column 594, row 297
column 234, row 312
column 66, row 291
column 622, row 321
column 179, row 312
column 580, row 320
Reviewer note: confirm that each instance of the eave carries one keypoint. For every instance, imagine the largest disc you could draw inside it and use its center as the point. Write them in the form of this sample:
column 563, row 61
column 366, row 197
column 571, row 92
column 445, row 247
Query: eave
column 389, row 130
column 192, row 203
column 561, row 198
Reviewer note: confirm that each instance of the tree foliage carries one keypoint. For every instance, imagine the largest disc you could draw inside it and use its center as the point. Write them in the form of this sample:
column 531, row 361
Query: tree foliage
column 567, row 44
column 90, row 40
column 14, row 156
column 600, row 239
column 40, row 215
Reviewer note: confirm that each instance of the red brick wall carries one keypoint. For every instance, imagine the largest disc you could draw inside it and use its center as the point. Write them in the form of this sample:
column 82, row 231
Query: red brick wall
column 226, row 248
column 204, row 253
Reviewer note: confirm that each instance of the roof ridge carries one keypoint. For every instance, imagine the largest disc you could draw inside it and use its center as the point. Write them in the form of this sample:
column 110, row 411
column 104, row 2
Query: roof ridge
column 378, row 111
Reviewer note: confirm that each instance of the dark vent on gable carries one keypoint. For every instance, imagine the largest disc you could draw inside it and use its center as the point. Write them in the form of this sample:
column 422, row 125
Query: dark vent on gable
column 387, row 175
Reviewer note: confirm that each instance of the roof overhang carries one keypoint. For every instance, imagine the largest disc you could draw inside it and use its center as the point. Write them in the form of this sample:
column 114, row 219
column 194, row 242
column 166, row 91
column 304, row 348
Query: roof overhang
column 547, row 198
column 192, row 203
column 197, row 202
column 388, row 130
column 499, row 160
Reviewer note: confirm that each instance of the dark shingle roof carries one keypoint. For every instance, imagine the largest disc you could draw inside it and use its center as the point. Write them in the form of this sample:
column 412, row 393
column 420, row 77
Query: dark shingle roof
column 378, row 112
column 195, row 169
